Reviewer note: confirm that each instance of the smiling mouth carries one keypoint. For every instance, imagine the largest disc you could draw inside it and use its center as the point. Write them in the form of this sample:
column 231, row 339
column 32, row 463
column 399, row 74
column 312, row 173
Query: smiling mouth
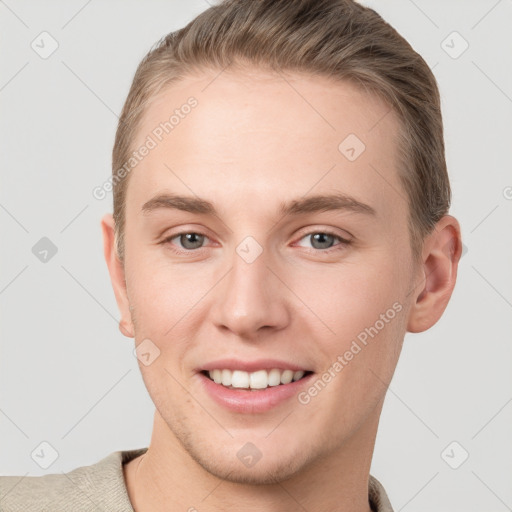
column 254, row 381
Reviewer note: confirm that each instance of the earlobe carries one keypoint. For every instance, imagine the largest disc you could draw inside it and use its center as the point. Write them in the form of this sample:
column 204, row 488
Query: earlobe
column 440, row 259
column 117, row 275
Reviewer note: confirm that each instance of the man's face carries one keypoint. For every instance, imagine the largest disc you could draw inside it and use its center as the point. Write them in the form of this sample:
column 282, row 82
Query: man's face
column 253, row 288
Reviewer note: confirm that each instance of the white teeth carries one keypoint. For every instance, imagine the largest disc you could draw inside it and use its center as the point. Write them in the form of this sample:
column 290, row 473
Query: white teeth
column 226, row 377
column 286, row 377
column 298, row 375
column 240, row 379
column 274, row 377
column 260, row 379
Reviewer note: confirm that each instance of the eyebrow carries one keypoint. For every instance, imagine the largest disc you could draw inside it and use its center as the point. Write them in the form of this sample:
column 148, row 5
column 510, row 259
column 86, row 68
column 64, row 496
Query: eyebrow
column 312, row 204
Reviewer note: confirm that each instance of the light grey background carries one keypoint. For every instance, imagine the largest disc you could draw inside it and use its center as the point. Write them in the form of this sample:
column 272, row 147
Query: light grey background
column 69, row 378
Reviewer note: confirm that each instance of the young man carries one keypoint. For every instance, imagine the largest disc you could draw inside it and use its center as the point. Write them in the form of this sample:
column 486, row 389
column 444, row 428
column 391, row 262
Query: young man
column 280, row 222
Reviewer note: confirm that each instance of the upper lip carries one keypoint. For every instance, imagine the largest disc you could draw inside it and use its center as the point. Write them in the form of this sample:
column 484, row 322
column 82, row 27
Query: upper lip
column 250, row 366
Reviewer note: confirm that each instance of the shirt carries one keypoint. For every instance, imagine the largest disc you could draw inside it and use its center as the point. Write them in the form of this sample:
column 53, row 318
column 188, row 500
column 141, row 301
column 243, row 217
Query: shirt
column 101, row 487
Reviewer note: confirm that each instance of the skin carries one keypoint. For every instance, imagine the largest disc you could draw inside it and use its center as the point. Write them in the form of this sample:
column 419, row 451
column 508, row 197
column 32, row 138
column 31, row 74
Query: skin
column 295, row 302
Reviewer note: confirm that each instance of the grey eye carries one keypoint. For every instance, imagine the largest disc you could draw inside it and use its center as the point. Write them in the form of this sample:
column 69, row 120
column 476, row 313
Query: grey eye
column 191, row 240
column 321, row 240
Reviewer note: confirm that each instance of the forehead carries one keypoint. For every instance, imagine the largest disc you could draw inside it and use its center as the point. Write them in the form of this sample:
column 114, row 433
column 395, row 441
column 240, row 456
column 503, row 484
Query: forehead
column 275, row 134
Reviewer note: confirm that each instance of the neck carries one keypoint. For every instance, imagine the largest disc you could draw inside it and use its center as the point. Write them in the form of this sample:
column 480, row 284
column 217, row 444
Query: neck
column 167, row 475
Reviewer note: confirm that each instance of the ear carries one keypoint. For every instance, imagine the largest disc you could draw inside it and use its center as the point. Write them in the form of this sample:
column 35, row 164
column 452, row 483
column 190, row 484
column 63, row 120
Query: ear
column 441, row 253
column 117, row 276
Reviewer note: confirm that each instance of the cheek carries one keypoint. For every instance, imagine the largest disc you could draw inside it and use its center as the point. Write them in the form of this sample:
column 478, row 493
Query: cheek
column 350, row 298
column 161, row 293
column 167, row 302
column 366, row 311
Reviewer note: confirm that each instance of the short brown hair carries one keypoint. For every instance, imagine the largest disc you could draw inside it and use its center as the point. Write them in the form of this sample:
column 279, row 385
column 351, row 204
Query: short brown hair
column 339, row 39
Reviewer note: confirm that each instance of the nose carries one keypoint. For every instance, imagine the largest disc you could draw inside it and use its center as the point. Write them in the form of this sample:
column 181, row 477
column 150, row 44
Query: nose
column 251, row 298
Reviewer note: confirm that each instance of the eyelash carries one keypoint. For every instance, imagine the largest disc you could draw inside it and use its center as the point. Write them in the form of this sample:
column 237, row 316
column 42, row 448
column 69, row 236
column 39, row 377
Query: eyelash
column 343, row 242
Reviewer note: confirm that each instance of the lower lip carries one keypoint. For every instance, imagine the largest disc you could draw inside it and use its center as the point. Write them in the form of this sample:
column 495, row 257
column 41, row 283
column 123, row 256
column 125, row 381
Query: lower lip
column 246, row 401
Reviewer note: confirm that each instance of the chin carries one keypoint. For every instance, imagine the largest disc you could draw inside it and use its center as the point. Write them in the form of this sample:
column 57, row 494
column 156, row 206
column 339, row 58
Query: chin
column 264, row 472
column 227, row 460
